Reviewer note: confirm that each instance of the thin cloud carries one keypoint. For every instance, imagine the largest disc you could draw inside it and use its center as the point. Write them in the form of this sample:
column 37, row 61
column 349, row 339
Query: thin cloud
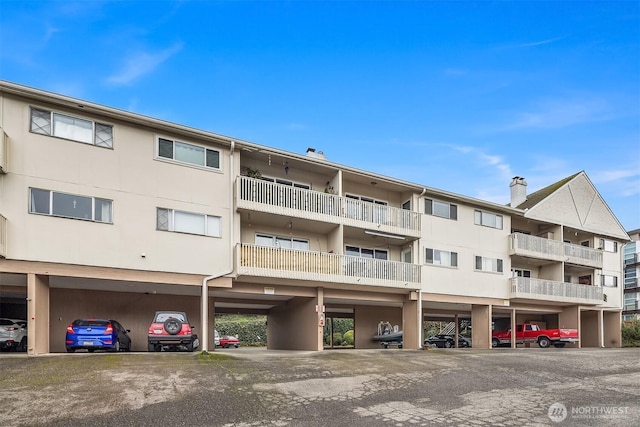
column 616, row 175
column 486, row 160
column 142, row 63
column 557, row 114
column 530, row 44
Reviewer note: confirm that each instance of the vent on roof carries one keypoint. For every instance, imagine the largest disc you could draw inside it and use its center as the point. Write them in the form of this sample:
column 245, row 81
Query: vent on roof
column 311, row 152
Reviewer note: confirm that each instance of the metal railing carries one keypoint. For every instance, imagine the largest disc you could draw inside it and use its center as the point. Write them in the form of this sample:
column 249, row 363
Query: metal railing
column 549, row 290
column 539, row 247
column 268, row 261
column 283, row 199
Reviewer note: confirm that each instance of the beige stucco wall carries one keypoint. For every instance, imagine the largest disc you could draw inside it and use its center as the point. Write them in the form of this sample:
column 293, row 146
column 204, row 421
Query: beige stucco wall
column 589, row 323
column 294, row 325
column 612, row 328
column 481, row 321
column 129, row 175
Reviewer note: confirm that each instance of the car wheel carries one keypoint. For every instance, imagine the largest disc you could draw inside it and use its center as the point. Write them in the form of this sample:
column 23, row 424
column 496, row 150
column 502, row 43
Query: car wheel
column 447, row 344
column 495, row 342
column 544, row 342
column 150, row 347
column 172, row 326
column 116, row 347
column 23, row 344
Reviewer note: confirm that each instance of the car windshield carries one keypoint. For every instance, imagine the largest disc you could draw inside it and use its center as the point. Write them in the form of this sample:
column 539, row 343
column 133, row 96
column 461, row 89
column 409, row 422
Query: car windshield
column 90, row 322
column 161, row 317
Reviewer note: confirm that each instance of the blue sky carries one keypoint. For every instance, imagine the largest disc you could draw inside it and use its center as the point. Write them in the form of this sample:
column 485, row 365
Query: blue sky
column 456, row 95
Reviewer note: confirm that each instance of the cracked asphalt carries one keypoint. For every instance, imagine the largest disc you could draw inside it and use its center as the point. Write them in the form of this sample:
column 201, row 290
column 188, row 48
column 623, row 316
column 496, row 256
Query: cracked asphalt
column 249, row 387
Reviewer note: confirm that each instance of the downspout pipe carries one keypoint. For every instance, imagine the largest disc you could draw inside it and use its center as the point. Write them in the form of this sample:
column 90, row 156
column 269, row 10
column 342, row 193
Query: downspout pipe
column 205, row 281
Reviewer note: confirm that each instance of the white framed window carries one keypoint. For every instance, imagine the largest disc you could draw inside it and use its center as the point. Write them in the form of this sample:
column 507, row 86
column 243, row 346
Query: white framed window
column 488, row 219
column 493, row 265
column 608, row 245
column 438, row 257
column 188, row 153
column 367, row 252
column 47, row 202
column 286, row 182
column 609, row 281
column 519, row 272
column 72, row 128
column 188, row 222
column 282, row 242
column 441, row 209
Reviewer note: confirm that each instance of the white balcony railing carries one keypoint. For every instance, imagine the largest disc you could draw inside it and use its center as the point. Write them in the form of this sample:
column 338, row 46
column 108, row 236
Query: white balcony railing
column 549, row 290
column 541, row 248
column 3, row 237
column 266, row 196
column 267, row 261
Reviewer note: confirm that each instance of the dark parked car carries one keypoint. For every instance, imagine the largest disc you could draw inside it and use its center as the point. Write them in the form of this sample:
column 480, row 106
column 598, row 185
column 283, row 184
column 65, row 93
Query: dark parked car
column 447, row 341
column 171, row 330
column 97, row 334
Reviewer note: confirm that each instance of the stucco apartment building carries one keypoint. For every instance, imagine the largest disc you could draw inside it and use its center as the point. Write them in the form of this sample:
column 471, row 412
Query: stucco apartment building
column 109, row 214
column 631, row 277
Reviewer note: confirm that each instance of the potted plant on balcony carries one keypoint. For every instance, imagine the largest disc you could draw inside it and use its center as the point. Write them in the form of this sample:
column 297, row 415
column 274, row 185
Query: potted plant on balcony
column 254, row 173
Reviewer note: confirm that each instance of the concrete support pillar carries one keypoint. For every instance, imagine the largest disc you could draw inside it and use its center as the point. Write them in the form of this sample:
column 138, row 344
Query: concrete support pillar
column 612, row 329
column 456, row 331
column 569, row 318
column 211, row 321
column 322, row 319
column 513, row 328
column 481, row 321
column 410, row 321
column 37, row 314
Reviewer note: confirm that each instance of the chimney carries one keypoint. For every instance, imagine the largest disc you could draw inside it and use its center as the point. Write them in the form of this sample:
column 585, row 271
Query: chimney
column 518, row 191
column 311, row 152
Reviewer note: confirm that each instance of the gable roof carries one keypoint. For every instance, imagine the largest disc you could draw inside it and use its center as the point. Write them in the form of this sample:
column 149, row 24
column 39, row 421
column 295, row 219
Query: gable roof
column 574, row 202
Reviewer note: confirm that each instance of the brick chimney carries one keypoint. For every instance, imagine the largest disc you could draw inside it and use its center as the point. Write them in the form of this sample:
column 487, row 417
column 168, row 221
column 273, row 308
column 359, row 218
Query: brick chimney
column 518, row 191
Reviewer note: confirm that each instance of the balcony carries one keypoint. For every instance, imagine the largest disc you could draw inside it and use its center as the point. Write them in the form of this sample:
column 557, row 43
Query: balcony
column 264, row 196
column 554, row 250
column 549, row 290
column 3, row 237
column 264, row 261
column 634, row 259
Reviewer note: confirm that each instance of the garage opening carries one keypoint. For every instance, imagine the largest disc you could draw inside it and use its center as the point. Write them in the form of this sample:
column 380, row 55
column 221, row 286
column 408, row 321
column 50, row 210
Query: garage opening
column 339, row 329
column 235, row 330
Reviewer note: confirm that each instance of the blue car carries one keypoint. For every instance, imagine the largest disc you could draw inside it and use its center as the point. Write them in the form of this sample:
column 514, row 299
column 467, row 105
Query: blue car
column 97, row 334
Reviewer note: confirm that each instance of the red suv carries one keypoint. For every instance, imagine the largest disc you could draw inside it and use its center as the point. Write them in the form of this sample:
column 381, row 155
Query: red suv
column 170, row 330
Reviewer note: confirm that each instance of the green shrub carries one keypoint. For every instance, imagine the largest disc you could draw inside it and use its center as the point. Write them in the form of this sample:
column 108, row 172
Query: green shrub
column 348, row 338
column 251, row 330
column 337, row 338
column 631, row 333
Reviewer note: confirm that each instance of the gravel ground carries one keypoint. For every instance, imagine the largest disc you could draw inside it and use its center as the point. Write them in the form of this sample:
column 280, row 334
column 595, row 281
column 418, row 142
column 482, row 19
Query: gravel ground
column 255, row 387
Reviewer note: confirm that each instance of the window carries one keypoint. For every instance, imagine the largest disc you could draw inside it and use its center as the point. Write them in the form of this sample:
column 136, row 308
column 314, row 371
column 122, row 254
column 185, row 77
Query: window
column 438, row 257
column 286, row 182
column 367, row 253
column 608, row 245
column 73, row 128
column 609, row 281
column 52, row 203
column 518, row 272
column 493, row 265
column 188, row 153
column 188, row 222
column 376, row 211
column 441, row 209
column 488, row 219
column 282, row 242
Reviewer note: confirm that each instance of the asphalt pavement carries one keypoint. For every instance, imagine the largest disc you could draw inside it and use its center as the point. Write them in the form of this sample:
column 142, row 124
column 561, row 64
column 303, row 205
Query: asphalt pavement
column 386, row 387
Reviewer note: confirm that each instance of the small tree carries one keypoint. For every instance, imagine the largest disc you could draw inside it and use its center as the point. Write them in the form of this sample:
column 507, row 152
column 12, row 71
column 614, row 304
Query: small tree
column 631, row 333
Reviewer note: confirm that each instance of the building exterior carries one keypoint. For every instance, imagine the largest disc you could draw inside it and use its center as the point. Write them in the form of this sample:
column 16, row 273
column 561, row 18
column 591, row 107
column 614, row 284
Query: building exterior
column 631, row 277
column 109, row 214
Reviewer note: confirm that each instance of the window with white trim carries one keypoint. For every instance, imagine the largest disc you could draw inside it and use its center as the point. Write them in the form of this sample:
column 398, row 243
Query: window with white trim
column 47, row 202
column 188, row 153
column 441, row 209
column 493, row 265
column 69, row 127
column 282, row 242
column 367, row 252
column 286, row 182
column 438, row 257
column 188, row 222
column 609, row 281
column 519, row 272
column 488, row 219
column 608, row 245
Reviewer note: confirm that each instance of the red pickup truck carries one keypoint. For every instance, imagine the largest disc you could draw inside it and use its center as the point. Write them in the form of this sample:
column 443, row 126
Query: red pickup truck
column 530, row 332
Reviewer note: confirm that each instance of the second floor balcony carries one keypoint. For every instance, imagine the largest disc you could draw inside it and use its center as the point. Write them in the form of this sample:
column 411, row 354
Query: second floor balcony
column 554, row 250
column 265, row 196
column 265, row 261
column 549, row 290
column 3, row 237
